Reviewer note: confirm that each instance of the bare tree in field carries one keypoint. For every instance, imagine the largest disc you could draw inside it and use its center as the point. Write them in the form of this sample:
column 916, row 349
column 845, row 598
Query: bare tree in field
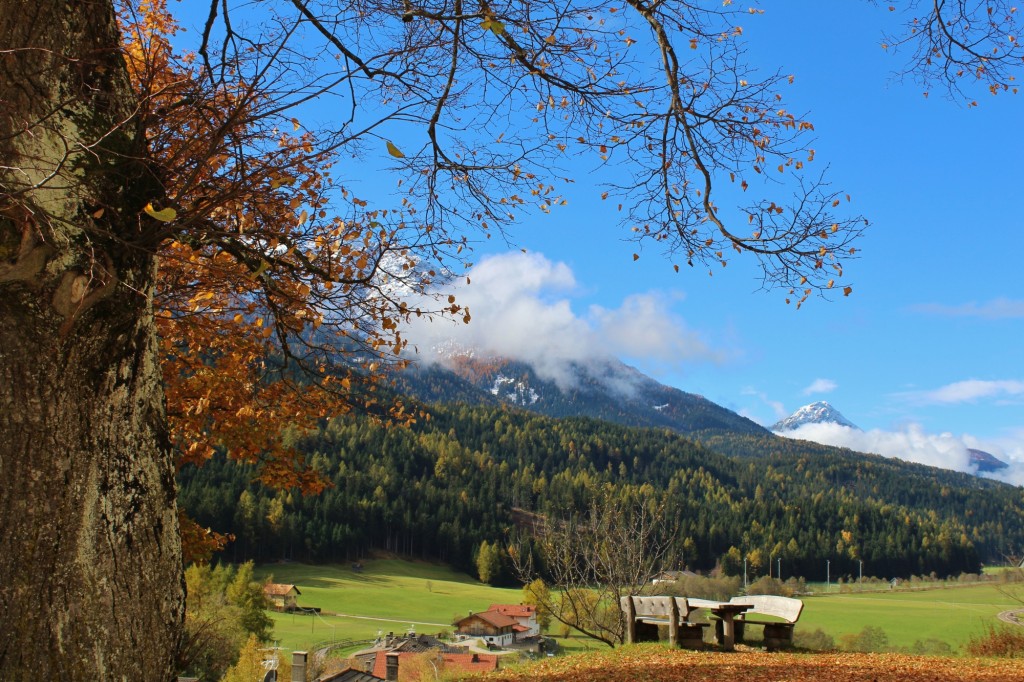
column 119, row 154
column 594, row 557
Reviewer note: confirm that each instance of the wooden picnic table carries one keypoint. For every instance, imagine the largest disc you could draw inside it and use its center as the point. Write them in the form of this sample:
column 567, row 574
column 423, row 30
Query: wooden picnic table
column 726, row 613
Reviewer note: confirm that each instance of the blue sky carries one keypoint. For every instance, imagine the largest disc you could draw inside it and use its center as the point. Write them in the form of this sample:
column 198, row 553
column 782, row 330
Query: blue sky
column 925, row 355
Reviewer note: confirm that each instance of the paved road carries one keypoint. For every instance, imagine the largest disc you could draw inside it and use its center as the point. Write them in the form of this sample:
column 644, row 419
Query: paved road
column 1015, row 616
column 387, row 620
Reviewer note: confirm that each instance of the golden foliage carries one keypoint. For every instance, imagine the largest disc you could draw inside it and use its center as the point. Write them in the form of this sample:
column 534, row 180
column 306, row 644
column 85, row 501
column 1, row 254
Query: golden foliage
column 261, row 291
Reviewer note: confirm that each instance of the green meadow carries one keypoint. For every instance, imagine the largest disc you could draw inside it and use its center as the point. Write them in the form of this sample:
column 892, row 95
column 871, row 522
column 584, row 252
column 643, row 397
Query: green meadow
column 386, row 596
column 951, row 614
column 390, row 595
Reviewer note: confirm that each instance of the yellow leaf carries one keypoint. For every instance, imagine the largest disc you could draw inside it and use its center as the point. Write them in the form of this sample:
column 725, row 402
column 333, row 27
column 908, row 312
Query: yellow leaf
column 493, row 25
column 395, row 151
column 165, row 216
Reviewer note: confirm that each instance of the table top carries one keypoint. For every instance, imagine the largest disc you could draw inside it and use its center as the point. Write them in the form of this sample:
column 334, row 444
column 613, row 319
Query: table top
column 718, row 607
column 730, row 608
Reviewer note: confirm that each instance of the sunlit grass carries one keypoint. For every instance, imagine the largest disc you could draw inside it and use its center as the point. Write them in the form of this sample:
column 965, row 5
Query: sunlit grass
column 385, row 596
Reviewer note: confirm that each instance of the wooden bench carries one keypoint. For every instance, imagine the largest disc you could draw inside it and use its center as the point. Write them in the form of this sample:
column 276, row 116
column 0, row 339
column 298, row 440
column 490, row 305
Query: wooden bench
column 778, row 634
column 643, row 615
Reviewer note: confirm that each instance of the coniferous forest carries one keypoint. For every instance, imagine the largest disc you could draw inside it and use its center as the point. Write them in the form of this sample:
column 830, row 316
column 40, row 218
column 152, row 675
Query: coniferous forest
column 444, row 485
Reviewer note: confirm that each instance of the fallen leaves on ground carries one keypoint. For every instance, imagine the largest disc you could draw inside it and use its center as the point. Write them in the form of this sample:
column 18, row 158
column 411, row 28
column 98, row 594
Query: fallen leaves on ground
column 647, row 664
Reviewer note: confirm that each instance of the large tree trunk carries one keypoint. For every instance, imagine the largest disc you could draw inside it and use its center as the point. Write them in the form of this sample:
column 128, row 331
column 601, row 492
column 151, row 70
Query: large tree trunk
column 90, row 557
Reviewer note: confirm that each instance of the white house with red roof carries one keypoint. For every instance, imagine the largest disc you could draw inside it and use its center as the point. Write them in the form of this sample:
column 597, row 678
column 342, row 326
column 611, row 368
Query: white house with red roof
column 501, row 624
column 525, row 616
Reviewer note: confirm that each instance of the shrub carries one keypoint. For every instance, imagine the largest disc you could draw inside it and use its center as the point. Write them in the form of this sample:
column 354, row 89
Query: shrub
column 931, row 647
column 766, row 585
column 817, row 640
column 1002, row 641
column 719, row 588
column 871, row 639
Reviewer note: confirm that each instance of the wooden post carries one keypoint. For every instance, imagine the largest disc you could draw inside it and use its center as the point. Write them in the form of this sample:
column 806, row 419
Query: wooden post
column 630, row 621
column 673, row 623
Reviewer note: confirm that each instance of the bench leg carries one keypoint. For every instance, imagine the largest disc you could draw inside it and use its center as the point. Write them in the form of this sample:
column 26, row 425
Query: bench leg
column 691, row 636
column 673, row 624
column 778, row 636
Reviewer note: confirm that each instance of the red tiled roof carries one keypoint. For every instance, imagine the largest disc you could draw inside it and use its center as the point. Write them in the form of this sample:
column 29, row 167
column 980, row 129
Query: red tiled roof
column 520, row 628
column 466, row 662
column 279, row 590
column 514, row 610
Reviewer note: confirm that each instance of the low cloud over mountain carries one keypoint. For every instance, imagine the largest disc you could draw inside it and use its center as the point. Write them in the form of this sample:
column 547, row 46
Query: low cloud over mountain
column 521, row 309
column 912, row 443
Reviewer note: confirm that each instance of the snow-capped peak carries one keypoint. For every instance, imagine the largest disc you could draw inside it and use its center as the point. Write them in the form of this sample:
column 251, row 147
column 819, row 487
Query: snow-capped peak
column 815, row 413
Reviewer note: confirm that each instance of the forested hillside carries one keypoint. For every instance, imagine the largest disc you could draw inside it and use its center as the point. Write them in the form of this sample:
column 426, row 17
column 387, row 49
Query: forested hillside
column 441, row 487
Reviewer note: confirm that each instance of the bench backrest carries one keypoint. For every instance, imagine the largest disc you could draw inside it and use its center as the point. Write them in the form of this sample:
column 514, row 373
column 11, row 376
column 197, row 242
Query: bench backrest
column 786, row 608
column 655, row 607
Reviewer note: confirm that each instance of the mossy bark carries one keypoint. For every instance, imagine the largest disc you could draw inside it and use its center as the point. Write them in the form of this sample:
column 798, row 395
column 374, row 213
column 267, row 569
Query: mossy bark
column 91, row 584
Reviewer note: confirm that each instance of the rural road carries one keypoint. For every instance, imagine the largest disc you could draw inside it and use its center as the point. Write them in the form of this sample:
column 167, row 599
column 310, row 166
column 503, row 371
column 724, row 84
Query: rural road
column 387, row 620
column 1015, row 616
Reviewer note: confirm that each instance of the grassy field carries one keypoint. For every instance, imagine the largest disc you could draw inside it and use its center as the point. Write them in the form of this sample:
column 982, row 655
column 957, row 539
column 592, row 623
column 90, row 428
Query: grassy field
column 391, row 595
column 387, row 595
column 951, row 615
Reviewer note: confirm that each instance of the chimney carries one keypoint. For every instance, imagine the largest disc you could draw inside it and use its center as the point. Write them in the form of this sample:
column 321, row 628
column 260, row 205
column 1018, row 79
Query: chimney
column 476, row 658
column 298, row 666
column 391, row 667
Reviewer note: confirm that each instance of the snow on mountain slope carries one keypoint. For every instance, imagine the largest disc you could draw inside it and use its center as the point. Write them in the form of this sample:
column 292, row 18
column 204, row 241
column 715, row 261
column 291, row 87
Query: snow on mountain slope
column 815, row 413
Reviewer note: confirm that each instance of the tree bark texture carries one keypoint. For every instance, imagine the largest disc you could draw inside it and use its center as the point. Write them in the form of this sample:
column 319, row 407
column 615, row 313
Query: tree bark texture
column 91, row 584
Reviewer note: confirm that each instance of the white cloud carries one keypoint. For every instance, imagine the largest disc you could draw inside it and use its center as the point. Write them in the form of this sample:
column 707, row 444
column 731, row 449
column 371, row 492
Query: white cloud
column 913, row 444
column 971, row 390
column 644, row 326
column 521, row 308
column 996, row 309
column 821, row 386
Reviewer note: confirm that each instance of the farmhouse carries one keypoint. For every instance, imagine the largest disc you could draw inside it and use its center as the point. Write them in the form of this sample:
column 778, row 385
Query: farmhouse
column 493, row 627
column 501, row 624
column 672, row 576
column 282, row 597
column 525, row 616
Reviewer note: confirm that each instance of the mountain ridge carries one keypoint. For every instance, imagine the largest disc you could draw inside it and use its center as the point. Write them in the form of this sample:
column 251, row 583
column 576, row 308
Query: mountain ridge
column 607, row 389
